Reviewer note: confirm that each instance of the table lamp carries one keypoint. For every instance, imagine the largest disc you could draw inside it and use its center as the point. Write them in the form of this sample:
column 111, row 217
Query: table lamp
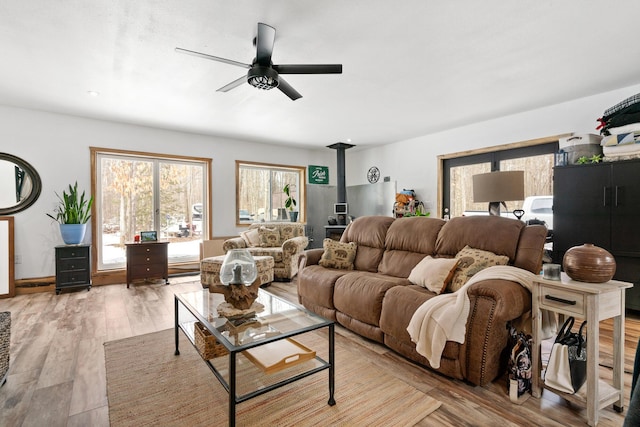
column 498, row 187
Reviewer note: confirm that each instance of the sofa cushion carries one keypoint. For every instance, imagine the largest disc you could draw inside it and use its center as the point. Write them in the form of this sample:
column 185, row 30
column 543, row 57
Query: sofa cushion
column 251, row 238
column 398, row 307
column 403, row 234
column 403, row 249
column 338, row 255
column 269, row 237
column 434, row 273
column 369, row 233
column 359, row 295
column 315, row 287
column 490, row 233
column 471, row 261
column 276, row 253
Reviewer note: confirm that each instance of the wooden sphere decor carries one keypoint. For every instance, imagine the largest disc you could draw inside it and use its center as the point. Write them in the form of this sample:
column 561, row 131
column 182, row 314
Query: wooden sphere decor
column 589, row 263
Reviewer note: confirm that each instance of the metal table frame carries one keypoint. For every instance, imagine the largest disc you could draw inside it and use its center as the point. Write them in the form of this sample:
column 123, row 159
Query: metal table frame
column 230, row 387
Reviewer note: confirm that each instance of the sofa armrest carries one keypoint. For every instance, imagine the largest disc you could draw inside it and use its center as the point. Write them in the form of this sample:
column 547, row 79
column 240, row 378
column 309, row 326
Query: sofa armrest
column 235, row 243
column 294, row 245
column 291, row 250
column 493, row 303
column 310, row 257
column 511, row 298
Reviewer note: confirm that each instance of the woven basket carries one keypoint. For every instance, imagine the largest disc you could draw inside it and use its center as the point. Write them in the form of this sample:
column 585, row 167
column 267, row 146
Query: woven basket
column 5, row 341
column 206, row 344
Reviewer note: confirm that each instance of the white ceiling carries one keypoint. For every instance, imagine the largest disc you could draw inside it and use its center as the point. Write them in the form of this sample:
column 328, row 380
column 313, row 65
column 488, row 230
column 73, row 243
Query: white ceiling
column 410, row 67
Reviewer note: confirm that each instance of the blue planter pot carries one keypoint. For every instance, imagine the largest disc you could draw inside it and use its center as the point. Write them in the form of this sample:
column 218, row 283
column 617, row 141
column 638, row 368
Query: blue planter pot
column 293, row 215
column 73, row 234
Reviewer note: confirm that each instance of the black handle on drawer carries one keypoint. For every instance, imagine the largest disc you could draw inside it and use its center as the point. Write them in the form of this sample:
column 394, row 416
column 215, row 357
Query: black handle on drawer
column 562, row 300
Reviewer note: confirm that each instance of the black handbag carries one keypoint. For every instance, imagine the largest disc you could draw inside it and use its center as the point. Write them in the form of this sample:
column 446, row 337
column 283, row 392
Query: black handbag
column 567, row 368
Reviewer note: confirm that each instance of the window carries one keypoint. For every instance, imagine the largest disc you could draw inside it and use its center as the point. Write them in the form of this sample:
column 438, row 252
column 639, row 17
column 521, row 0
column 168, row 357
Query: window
column 260, row 196
column 535, row 160
column 137, row 192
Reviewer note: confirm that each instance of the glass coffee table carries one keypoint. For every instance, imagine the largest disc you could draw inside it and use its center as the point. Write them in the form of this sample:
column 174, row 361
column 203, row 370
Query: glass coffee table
column 244, row 363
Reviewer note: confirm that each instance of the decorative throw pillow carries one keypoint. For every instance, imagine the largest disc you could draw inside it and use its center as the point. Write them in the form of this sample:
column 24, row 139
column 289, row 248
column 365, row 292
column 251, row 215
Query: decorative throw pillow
column 269, row 237
column 434, row 273
column 251, row 237
column 472, row 261
column 338, row 255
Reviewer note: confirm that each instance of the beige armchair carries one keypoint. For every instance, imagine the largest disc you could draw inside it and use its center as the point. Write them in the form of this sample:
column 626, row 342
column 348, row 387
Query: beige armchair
column 284, row 241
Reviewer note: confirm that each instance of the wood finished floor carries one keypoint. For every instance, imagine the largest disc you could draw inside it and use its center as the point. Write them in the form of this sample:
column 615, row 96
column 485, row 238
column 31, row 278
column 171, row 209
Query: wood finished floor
column 57, row 371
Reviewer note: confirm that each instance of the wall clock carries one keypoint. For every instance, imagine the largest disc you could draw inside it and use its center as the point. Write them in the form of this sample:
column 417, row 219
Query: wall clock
column 373, row 174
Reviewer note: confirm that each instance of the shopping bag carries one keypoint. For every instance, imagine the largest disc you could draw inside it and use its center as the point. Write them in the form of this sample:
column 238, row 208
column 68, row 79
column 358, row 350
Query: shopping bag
column 567, row 367
column 519, row 378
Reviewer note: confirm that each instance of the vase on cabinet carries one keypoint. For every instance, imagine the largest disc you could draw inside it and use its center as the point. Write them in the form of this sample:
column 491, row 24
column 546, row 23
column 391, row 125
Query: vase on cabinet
column 73, row 234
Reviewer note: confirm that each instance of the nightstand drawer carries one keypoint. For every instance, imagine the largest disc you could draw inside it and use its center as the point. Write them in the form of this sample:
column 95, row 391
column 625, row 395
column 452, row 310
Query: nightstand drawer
column 148, row 270
column 67, row 264
column 67, row 278
column 147, row 250
column 146, row 259
column 71, row 253
column 572, row 302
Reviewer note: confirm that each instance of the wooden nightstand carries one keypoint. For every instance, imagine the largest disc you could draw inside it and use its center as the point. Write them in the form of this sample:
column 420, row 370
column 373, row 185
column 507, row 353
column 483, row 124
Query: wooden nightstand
column 148, row 260
column 73, row 267
column 593, row 302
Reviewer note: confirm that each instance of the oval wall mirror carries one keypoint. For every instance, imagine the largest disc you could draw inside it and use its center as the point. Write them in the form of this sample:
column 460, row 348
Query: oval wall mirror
column 20, row 184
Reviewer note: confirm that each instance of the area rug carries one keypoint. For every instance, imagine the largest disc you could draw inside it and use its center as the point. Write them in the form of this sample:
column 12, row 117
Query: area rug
column 148, row 386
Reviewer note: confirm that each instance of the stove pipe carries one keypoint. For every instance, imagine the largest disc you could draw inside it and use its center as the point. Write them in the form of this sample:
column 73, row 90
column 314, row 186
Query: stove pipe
column 340, row 148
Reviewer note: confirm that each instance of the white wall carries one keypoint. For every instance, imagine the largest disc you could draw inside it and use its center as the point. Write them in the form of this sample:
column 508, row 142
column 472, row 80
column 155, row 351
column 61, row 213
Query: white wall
column 413, row 163
column 57, row 146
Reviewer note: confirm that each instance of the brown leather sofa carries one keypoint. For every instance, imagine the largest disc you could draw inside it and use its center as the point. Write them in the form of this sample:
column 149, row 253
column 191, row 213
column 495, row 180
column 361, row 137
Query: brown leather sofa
column 377, row 301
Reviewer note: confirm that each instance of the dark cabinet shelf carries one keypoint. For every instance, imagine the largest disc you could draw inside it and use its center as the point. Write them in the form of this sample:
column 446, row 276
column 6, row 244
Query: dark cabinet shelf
column 148, row 260
column 598, row 203
column 73, row 267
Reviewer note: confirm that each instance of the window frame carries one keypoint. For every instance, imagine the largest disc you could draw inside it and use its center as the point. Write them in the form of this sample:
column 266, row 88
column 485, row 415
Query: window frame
column 97, row 152
column 271, row 167
column 494, row 155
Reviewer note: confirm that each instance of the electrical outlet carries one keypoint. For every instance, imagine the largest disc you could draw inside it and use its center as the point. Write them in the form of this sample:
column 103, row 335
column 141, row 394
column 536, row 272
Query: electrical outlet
column 18, row 259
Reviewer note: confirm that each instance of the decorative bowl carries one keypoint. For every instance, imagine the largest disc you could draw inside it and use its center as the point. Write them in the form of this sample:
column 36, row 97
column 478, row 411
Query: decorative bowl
column 589, row 263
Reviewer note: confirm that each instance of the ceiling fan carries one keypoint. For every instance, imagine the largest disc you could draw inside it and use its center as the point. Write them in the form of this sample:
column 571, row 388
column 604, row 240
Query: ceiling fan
column 262, row 73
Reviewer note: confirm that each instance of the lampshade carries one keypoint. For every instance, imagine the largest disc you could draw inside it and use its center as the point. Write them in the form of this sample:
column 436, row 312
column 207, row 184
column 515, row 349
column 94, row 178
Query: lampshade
column 498, row 186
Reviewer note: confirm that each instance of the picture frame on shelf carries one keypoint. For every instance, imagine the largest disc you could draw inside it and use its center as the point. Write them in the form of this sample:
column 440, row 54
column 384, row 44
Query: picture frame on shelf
column 148, row 236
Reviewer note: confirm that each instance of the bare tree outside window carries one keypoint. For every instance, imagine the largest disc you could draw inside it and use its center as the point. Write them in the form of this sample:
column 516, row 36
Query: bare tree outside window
column 536, row 160
column 260, row 195
column 143, row 193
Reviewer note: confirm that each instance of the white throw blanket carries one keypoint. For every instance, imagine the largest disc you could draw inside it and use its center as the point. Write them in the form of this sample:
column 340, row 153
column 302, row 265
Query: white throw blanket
column 444, row 317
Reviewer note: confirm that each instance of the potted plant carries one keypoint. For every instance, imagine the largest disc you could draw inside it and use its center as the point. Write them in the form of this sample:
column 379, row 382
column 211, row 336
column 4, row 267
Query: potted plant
column 73, row 212
column 290, row 203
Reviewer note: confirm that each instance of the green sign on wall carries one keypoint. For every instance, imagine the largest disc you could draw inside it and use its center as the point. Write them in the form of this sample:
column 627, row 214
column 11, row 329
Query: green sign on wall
column 318, row 174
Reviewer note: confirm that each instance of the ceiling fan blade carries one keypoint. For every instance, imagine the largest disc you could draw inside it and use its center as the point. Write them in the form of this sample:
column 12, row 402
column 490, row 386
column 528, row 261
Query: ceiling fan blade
column 309, row 69
column 213, row 58
column 233, row 84
column 264, row 43
column 288, row 90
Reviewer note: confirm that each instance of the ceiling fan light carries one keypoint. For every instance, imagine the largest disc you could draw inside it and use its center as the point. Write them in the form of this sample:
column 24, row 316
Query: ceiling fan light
column 263, row 78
